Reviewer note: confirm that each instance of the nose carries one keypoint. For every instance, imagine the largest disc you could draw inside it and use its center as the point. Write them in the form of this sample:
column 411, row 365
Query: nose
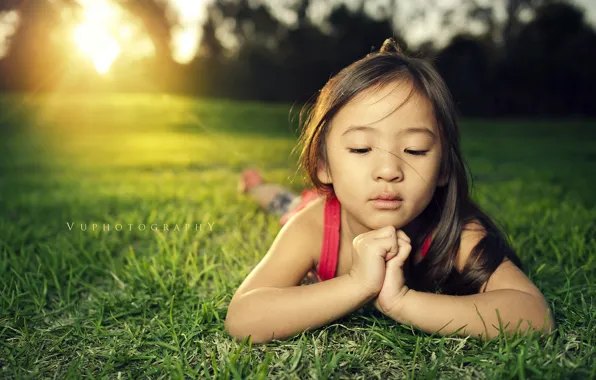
column 389, row 166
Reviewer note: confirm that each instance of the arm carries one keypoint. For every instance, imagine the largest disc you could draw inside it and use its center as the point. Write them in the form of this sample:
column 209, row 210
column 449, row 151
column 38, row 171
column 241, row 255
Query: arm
column 270, row 303
column 434, row 312
column 508, row 290
column 267, row 312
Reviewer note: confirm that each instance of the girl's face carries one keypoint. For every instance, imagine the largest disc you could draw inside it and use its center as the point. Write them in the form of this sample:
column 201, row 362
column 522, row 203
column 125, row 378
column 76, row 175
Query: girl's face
column 375, row 147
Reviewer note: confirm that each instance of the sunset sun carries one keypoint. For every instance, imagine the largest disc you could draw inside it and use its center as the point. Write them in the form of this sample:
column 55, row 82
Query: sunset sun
column 95, row 35
column 98, row 45
column 105, row 32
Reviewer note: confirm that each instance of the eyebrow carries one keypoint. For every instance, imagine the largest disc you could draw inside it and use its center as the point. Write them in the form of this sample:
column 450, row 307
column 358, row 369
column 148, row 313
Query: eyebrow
column 367, row 128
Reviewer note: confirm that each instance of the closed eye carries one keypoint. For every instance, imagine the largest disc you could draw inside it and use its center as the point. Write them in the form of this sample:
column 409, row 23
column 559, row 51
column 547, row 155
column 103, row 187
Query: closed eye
column 416, row 152
column 359, row 151
column 411, row 152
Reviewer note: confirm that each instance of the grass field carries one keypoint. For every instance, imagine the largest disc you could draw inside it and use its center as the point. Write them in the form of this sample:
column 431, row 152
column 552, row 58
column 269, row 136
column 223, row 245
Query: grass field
column 134, row 303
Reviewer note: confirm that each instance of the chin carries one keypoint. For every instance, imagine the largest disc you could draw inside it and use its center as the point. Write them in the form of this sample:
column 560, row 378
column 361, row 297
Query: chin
column 384, row 221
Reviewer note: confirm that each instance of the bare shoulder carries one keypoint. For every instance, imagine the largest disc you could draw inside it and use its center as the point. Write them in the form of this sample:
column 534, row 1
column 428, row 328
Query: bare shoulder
column 471, row 235
column 291, row 255
column 314, row 212
column 506, row 276
column 311, row 219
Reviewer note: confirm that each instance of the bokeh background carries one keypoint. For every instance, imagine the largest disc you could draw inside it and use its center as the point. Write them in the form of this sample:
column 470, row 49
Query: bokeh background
column 124, row 121
column 500, row 58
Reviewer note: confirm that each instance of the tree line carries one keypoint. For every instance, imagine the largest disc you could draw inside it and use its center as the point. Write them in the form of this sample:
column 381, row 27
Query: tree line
column 541, row 67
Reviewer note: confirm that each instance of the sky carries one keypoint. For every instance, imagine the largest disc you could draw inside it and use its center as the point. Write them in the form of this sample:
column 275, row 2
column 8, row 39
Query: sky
column 429, row 28
column 421, row 31
column 106, row 33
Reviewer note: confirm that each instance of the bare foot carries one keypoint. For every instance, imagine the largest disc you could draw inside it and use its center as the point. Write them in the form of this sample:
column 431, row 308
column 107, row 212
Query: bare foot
column 249, row 178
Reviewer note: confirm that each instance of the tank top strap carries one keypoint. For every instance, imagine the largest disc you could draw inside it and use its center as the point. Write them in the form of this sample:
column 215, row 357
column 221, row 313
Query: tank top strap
column 331, row 234
column 425, row 246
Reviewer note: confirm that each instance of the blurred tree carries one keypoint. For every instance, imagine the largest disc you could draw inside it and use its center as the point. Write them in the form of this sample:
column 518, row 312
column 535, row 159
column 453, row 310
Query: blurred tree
column 210, row 44
column 37, row 54
column 507, row 30
column 250, row 24
column 304, row 57
column 153, row 14
column 248, row 66
column 541, row 66
column 9, row 5
column 35, row 57
column 513, row 21
column 466, row 64
column 549, row 68
column 158, row 24
column 486, row 15
column 275, row 61
column 358, row 32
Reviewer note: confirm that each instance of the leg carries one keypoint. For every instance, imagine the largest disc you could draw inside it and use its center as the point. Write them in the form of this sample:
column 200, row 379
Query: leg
column 274, row 198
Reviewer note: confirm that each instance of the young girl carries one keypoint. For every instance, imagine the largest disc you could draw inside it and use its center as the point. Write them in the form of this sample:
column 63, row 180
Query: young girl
column 389, row 219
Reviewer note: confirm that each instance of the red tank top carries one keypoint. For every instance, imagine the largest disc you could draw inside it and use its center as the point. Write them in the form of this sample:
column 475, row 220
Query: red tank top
column 330, row 250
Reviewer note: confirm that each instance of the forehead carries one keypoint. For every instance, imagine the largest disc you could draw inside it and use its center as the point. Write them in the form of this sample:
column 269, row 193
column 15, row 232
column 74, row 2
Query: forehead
column 393, row 107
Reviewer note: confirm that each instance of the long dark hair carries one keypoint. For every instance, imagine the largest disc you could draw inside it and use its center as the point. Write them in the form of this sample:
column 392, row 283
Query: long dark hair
column 451, row 207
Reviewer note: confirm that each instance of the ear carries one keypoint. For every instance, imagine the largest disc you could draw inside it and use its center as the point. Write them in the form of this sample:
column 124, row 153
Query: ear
column 323, row 173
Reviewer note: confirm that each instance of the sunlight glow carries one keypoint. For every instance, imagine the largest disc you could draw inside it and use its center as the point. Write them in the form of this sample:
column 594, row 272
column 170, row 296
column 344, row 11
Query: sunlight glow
column 94, row 35
column 98, row 45
column 9, row 22
column 185, row 44
column 106, row 33
column 185, row 37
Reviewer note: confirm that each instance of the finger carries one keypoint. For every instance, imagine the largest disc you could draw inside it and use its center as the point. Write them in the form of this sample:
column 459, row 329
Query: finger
column 388, row 247
column 390, row 255
column 403, row 253
column 392, row 251
column 358, row 239
column 402, row 234
column 395, row 264
column 388, row 231
column 399, row 244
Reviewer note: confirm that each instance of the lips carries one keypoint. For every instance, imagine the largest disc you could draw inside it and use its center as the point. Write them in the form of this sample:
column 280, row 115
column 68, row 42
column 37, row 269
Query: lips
column 387, row 204
column 387, row 196
column 393, row 198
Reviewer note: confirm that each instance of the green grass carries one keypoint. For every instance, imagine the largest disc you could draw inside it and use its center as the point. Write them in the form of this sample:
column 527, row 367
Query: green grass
column 149, row 303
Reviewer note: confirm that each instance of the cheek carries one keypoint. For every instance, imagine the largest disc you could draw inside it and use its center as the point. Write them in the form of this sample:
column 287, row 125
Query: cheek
column 433, row 169
column 346, row 168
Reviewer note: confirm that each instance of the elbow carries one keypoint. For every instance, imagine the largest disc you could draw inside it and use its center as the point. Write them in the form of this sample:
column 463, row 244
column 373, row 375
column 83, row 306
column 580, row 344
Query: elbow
column 239, row 335
column 233, row 331
column 540, row 317
column 240, row 331
column 547, row 327
column 547, row 324
column 544, row 322
column 234, row 327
